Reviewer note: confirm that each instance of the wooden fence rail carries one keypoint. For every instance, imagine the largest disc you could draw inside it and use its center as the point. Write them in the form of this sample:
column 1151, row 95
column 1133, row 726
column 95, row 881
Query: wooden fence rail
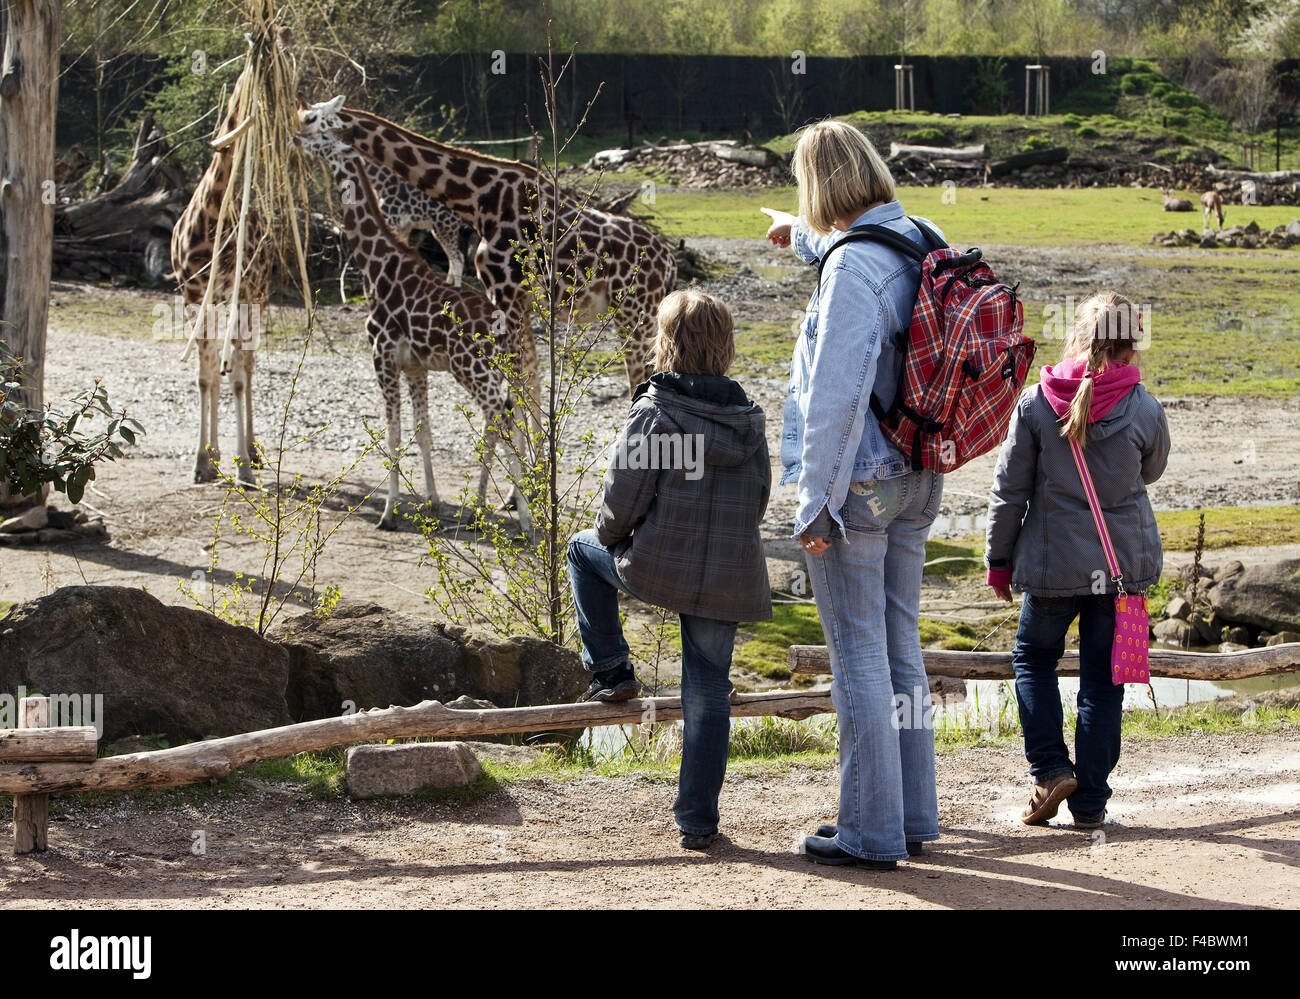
column 1170, row 663
column 39, row 760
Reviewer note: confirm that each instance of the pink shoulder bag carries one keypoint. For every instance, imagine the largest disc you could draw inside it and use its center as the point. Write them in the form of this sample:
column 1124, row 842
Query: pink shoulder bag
column 1129, row 662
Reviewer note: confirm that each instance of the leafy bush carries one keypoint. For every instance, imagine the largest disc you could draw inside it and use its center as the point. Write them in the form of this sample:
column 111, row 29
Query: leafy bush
column 1036, row 142
column 1161, row 89
column 46, row 447
column 1180, row 99
column 1087, row 132
column 1176, row 120
column 986, row 88
column 1170, row 153
column 928, row 136
column 1071, row 121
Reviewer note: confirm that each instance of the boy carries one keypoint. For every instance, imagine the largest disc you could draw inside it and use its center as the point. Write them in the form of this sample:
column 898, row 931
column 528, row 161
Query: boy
column 678, row 527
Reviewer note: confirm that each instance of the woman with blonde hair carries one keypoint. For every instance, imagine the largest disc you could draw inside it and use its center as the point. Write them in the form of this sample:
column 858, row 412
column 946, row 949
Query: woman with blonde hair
column 1043, row 541
column 863, row 515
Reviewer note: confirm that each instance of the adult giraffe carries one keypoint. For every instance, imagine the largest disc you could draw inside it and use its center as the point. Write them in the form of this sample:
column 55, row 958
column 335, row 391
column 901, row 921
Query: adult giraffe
column 602, row 260
column 193, row 240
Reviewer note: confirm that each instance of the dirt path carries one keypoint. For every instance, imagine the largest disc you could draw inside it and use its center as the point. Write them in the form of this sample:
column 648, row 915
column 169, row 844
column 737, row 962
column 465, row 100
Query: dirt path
column 1196, row 822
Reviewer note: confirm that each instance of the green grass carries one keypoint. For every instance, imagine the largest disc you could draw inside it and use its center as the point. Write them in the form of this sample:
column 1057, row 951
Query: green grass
column 1208, row 718
column 980, row 217
column 1230, row 527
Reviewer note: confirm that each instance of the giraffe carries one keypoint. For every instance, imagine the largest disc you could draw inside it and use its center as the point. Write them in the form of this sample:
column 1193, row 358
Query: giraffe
column 603, row 260
column 417, row 323
column 192, row 242
column 406, row 208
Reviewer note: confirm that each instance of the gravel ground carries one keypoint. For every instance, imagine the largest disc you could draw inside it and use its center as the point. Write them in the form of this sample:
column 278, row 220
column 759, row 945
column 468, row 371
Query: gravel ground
column 1201, row 821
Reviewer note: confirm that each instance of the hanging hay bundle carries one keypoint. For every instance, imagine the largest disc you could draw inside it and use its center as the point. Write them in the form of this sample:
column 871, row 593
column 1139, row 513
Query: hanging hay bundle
column 264, row 207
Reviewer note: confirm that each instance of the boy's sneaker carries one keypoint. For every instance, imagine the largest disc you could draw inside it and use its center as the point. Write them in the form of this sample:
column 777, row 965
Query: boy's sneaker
column 692, row 841
column 618, row 683
column 1090, row 822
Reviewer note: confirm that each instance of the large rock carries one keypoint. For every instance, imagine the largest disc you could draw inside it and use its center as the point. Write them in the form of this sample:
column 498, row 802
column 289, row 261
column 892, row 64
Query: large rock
column 1266, row 596
column 161, row 669
column 182, row 673
column 373, row 770
column 1176, row 632
column 373, row 657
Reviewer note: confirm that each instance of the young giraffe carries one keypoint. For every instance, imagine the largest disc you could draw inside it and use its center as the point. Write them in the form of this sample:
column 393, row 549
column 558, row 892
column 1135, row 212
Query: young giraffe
column 406, row 208
column 192, row 242
column 617, row 261
column 417, row 323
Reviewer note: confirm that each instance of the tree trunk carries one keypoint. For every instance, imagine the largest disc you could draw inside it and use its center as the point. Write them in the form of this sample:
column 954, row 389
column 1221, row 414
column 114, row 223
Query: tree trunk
column 29, row 82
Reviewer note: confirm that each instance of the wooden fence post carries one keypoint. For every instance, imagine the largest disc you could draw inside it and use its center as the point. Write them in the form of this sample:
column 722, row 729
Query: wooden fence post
column 32, row 811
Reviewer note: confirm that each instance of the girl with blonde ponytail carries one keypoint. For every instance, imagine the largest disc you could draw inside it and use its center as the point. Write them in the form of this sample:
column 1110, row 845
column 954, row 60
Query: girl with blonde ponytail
column 1042, row 541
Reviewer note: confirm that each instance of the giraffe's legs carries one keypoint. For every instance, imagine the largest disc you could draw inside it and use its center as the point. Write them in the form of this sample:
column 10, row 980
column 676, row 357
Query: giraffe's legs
column 205, row 460
column 447, row 233
column 254, row 459
column 390, row 386
column 417, row 382
column 241, row 376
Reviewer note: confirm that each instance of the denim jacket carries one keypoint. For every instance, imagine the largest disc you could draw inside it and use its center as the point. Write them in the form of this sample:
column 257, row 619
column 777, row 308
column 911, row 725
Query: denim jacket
column 848, row 349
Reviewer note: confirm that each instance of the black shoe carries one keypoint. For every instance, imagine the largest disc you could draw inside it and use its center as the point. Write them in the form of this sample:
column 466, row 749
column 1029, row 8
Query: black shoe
column 821, row 850
column 616, row 684
column 690, row 841
column 828, row 831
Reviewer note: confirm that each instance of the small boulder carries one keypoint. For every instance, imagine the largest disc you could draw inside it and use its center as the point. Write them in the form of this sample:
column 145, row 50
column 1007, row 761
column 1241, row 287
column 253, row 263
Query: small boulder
column 1206, row 630
column 1175, row 632
column 1232, row 647
column 1178, row 607
column 1266, row 596
column 29, row 520
column 1293, row 228
column 375, row 770
column 1238, row 635
column 1283, row 638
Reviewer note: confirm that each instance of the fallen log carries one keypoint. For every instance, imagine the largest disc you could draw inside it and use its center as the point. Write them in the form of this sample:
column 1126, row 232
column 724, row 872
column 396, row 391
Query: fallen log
column 1272, row 177
column 218, row 757
column 1008, row 164
column 127, row 229
column 979, row 152
column 1170, row 663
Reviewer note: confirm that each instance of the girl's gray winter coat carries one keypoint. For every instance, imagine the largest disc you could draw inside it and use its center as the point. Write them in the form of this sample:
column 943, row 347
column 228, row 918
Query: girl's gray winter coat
column 1039, row 519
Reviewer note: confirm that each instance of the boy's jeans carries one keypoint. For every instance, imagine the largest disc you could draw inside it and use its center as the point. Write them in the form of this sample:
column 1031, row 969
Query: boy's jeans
column 706, row 681
column 868, row 592
column 1040, row 641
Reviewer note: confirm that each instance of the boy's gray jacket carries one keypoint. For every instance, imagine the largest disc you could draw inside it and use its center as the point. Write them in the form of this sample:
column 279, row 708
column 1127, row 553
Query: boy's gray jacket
column 686, row 538
column 1039, row 518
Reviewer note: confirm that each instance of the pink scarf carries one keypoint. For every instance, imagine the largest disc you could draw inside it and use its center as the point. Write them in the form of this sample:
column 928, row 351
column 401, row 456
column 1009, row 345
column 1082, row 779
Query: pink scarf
column 1108, row 386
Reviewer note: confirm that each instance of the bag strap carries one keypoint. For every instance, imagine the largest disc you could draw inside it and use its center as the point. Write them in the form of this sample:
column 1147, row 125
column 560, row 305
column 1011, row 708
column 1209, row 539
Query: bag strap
column 1098, row 518
column 889, row 237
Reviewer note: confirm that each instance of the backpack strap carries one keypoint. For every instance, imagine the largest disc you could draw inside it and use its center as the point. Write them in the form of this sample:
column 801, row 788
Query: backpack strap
column 896, row 240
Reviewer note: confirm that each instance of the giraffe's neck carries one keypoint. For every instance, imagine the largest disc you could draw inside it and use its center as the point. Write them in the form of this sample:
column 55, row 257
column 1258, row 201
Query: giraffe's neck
column 372, row 243
column 485, row 191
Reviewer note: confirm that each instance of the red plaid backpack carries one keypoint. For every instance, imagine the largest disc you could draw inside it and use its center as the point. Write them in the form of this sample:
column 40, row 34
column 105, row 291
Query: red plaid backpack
column 965, row 355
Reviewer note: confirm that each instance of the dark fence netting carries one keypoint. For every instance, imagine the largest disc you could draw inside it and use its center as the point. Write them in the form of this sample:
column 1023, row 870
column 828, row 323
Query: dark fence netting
column 656, row 94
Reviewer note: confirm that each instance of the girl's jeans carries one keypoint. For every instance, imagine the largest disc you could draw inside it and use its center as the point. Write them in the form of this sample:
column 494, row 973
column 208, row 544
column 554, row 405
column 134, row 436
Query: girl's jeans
column 1040, row 641
column 868, row 591
column 706, row 678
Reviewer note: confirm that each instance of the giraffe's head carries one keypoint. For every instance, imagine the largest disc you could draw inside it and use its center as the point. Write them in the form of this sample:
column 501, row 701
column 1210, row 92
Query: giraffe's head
column 319, row 127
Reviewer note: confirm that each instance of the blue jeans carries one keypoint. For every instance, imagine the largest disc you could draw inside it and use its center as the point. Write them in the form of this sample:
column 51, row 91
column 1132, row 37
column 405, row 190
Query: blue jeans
column 706, row 678
column 1040, row 641
column 868, row 591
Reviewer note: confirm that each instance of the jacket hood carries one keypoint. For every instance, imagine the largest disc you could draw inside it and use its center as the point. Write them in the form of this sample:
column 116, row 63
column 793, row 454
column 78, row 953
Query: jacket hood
column 713, row 406
column 1062, row 381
